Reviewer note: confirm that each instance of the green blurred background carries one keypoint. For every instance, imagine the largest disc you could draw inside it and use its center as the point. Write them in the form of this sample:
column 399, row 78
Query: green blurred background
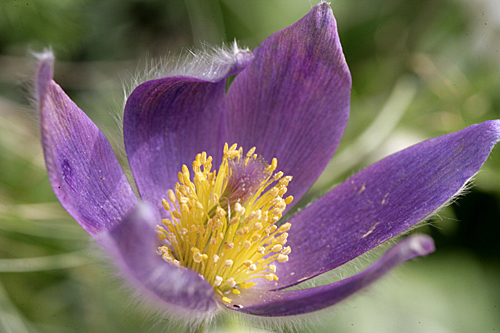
column 420, row 69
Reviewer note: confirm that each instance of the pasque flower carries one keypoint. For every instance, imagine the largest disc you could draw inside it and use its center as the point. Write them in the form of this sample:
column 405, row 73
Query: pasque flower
column 206, row 232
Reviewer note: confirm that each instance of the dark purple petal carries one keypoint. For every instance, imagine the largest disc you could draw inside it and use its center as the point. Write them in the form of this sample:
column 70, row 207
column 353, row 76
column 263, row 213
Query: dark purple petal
column 383, row 200
column 83, row 170
column 134, row 245
column 292, row 101
column 294, row 302
column 168, row 121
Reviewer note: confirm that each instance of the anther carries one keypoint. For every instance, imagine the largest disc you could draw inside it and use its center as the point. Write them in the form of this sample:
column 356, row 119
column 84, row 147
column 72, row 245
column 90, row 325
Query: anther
column 282, row 258
column 251, row 152
column 218, row 281
column 239, row 209
column 171, row 195
column 284, row 227
column 247, row 285
column 271, row 229
column 277, row 248
column 286, row 251
column 165, row 204
column 220, row 212
column 231, row 282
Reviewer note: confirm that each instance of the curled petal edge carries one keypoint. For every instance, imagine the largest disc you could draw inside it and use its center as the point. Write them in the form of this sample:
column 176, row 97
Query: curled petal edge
column 82, row 167
column 384, row 200
column 175, row 290
column 296, row 302
column 167, row 121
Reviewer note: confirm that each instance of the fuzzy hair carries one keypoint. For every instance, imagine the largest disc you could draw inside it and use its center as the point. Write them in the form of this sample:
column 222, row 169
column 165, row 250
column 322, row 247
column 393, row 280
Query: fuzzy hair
column 149, row 304
column 205, row 64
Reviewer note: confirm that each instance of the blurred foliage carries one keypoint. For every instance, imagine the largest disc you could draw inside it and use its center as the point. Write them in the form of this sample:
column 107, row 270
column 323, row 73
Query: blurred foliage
column 420, row 69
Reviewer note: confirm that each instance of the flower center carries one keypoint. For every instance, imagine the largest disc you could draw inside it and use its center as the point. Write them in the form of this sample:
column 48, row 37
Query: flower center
column 223, row 223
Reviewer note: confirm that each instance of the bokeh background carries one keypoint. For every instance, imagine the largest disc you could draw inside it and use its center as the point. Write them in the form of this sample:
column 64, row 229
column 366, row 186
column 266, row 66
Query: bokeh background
column 420, row 69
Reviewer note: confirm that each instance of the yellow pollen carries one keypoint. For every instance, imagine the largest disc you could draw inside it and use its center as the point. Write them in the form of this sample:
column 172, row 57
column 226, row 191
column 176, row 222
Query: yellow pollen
column 277, row 248
column 221, row 223
column 218, row 281
column 231, row 282
column 282, row 258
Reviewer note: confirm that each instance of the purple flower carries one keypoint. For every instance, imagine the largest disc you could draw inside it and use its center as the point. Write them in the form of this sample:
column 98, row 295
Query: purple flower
column 290, row 100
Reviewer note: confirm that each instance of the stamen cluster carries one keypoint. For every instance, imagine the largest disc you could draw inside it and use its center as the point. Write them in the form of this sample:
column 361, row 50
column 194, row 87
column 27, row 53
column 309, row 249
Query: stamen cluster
column 222, row 223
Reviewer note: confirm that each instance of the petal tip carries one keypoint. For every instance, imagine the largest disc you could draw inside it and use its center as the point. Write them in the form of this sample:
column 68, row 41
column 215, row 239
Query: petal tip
column 44, row 71
column 324, row 6
column 495, row 124
column 215, row 64
column 45, row 56
column 323, row 12
column 421, row 245
column 240, row 58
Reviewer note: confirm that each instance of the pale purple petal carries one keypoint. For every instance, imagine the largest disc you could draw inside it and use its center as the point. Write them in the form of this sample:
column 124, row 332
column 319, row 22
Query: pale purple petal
column 134, row 245
column 383, row 200
column 292, row 101
column 168, row 121
column 83, row 170
column 294, row 302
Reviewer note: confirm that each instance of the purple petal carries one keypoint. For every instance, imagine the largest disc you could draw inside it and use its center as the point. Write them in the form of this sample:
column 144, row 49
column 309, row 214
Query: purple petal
column 83, row 170
column 294, row 302
column 292, row 101
column 134, row 245
column 168, row 121
column 383, row 200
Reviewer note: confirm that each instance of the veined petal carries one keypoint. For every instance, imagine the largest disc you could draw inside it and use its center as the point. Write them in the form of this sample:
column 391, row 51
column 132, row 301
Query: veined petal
column 178, row 290
column 292, row 101
column 294, row 302
column 83, row 170
column 168, row 121
column 383, row 200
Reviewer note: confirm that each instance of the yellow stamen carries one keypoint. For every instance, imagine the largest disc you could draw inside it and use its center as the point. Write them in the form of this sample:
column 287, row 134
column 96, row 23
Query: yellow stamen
column 222, row 223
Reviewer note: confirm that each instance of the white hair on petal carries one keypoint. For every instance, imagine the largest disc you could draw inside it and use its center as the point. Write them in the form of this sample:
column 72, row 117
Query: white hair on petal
column 210, row 63
column 427, row 221
column 46, row 54
column 30, row 83
column 153, row 307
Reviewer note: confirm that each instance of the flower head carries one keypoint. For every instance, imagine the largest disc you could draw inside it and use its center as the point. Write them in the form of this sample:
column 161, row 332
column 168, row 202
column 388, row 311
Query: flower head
column 207, row 232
